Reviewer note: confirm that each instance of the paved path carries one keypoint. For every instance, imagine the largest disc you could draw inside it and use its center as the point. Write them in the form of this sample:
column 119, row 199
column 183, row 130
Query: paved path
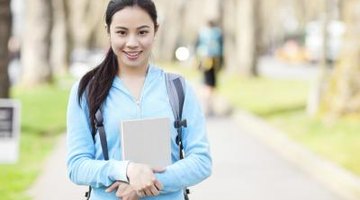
column 244, row 169
column 53, row 183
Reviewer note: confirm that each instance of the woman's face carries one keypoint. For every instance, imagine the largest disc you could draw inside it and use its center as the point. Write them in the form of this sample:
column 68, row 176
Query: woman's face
column 132, row 34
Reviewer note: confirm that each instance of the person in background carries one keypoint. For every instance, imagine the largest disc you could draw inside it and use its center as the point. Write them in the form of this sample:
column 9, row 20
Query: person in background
column 209, row 50
column 125, row 86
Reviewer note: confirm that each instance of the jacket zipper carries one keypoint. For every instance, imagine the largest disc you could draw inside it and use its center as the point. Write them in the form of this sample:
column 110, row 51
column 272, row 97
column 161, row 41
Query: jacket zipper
column 139, row 101
column 138, row 105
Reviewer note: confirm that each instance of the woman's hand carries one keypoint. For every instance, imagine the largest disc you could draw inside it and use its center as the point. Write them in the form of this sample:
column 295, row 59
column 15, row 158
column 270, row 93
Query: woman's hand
column 143, row 180
column 124, row 191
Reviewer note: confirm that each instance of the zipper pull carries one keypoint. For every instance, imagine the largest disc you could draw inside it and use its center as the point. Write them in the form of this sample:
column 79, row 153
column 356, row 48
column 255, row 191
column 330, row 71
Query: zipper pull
column 137, row 102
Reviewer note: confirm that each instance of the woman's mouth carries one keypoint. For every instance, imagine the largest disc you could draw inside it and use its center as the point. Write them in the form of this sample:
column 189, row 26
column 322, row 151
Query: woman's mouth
column 132, row 55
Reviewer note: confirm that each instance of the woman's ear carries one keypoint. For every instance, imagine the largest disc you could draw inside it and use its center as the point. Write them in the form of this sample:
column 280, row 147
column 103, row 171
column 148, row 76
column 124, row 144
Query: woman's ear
column 156, row 28
column 156, row 31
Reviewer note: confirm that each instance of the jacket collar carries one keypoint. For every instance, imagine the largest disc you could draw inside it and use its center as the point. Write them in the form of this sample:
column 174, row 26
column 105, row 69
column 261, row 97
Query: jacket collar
column 152, row 74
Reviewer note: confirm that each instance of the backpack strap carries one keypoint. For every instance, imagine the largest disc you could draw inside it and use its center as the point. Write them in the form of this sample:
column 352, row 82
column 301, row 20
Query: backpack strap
column 175, row 88
column 99, row 126
column 175, row 85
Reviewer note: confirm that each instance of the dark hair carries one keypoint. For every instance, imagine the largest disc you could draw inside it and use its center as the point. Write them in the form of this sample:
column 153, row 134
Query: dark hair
column 212, row 23
column 96, row 83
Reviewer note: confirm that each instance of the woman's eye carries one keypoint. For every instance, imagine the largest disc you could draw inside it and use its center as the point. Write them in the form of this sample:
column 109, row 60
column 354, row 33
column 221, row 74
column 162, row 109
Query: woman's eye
column 122, row 33
column 143, row 32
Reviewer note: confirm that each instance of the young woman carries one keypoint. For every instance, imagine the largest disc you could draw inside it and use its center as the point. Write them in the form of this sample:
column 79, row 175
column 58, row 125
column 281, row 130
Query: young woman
column 125, row 86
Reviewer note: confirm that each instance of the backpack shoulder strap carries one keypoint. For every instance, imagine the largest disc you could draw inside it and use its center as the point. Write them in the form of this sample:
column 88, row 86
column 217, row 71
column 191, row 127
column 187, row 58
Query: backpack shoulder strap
column 99, row 126
column 175, row 85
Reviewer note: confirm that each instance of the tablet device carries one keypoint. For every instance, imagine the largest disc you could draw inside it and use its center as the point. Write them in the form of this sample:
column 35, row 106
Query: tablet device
column 146, row 141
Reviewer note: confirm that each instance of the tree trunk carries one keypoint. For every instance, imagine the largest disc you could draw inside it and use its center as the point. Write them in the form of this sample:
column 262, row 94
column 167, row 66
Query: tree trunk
column 5, row 31
column 86, row 16
column 59, row 48
column 316, row 93
column 343, row 94
column 248, row 36
column 36, row 43
column 169, row 33
column 230, row 47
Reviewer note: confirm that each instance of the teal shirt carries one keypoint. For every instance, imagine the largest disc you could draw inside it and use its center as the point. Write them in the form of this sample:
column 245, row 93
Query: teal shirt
column 210, row 42
column 85, row 161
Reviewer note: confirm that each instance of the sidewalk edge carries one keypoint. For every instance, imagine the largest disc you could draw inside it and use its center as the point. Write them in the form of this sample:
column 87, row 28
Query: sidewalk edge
column 336, row 178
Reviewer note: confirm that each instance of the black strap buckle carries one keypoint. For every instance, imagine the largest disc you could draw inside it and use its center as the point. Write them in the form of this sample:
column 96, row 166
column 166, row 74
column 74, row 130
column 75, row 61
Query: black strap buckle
column 180, row 123
column 97, row 125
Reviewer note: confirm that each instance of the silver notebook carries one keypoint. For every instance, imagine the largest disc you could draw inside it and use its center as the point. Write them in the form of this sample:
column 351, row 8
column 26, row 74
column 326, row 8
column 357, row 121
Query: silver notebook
column 146, row 141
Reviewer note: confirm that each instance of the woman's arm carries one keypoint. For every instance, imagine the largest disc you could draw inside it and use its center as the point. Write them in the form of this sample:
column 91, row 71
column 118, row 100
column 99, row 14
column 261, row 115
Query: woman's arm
column 197, row 164
column 83, row 169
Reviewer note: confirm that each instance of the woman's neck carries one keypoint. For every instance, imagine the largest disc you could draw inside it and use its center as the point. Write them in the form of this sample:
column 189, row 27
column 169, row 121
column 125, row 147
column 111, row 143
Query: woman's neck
column 135, row 72
column 134, row 79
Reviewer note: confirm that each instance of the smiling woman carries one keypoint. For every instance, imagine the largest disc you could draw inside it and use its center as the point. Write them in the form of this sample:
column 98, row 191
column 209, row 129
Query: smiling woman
column 132, row 34
column 126, row 87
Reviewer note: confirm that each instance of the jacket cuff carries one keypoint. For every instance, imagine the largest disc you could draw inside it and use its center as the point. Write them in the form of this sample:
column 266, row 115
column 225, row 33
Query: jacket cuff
column 118, row 170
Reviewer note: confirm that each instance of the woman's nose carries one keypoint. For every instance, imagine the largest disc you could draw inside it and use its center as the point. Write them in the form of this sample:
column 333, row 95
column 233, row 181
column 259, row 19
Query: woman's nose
column 132, row 41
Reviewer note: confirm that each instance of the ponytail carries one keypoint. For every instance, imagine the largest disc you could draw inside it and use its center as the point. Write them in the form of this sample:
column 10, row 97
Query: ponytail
column 96, row 84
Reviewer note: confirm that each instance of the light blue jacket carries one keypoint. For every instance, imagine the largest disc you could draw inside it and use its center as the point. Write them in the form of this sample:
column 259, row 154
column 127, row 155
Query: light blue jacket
column 85, row 161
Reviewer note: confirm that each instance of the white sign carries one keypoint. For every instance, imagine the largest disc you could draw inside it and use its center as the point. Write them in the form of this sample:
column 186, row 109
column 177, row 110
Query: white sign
column 9, row 130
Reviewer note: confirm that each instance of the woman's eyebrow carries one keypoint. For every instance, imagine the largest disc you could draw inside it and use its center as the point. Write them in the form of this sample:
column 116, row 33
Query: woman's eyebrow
column 121, row 27
column 143, row 26
column 124, row 28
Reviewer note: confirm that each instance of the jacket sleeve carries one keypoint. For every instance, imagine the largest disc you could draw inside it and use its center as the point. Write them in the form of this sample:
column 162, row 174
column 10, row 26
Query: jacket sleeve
column 197, row 164
column 83, row 169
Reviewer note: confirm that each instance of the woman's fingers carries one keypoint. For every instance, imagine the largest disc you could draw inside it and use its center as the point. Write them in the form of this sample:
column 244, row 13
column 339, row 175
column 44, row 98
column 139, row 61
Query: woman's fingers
column 112, row 187
column 123, row 189
column 154, row 191
column 158, row 185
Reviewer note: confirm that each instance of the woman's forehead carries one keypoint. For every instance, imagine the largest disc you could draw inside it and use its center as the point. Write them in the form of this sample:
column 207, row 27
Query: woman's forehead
column 130, row 17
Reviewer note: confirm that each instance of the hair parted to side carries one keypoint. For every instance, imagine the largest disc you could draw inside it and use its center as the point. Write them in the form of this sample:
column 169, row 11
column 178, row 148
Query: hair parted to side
column 116, row 5
column 99, row 79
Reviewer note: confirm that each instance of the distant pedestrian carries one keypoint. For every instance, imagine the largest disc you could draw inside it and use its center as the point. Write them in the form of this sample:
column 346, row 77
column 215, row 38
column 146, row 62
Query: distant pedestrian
column 209, row 49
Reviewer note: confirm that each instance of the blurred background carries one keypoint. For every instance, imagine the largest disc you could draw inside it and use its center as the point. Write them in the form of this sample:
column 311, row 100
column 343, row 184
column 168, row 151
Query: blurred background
column 293, row 63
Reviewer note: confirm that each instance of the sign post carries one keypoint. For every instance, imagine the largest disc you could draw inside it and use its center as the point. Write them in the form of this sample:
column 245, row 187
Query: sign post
column 9, row 130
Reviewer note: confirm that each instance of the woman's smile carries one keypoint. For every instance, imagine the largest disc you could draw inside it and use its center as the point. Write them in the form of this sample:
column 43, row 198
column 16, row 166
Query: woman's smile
column 132, row 55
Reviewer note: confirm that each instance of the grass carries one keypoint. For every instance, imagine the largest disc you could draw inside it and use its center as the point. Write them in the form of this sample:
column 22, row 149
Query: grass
column 42, row 120
column 264, row 97
column 283, row 103
column 338, row 141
